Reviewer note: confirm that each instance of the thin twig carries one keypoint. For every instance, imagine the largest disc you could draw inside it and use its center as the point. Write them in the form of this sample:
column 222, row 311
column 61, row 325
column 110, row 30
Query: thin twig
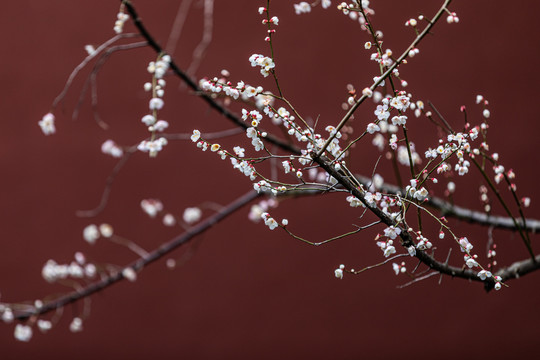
column 201, row 48
column 178, row 24
column 86, row 60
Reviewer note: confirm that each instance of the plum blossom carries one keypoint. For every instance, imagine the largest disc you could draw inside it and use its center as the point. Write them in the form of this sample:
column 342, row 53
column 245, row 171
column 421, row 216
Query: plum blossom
column 484, row 274
column 338, row 273
column 47, row 124
column 191, row 215
column 465, row 245
column 23, row 332
column 151, row 207
column 392, row 232
column 302, row 8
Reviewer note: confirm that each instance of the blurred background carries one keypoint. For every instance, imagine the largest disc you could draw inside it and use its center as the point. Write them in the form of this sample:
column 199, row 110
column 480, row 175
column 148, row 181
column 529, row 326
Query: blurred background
column 242, row 291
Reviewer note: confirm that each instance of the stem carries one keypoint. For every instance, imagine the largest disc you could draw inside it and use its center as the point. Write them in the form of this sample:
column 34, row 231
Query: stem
column 503, row 203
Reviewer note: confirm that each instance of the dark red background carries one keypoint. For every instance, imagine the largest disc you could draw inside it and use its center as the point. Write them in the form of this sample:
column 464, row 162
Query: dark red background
column 247, row 292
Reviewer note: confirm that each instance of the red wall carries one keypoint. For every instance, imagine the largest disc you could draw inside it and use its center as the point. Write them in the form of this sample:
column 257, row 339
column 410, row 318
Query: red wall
column 247, row 292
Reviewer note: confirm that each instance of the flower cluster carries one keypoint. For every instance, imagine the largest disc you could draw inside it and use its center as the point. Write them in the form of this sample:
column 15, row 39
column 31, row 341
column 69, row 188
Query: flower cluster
column 387, row 247
column 399, row 268
column 422, row 242
column 339, row 271
column 121, row 19
column 77, row 269
column 269, row 221
column 265, row 63
column 151, row 207
column 93, row 232
column 256, row 210
column 418, row 194
column 156, row 103
column 111, row 148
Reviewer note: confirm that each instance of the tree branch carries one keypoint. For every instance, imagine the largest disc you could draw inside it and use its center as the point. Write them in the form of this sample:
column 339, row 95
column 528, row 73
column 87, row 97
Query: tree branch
column 138, row 264
column 191, row 83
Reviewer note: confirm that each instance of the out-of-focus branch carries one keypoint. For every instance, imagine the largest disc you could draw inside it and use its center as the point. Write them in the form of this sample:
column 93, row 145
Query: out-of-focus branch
column 179, row 22
column 208, row 26
column 81, row 66
column 519, row 268
column 449, row 210
column 138, row 264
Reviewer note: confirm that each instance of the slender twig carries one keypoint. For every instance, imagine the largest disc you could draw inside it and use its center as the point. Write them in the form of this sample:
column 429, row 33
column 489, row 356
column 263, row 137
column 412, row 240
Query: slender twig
column 418, row 279
column 356, row 272
column 208, row 26
column 178, row 24
column 91, row 80
column 86, row 60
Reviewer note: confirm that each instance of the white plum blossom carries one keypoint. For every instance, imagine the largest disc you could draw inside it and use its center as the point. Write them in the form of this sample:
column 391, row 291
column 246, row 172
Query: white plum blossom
column 129, row 274
column 91, row 233
column 421, row 194
column 373, row 128
column 354, row 201
column 76, row 325
column 169, row 220
column 196, row 135
column 160, row 126
column 387, row 247
column 47, row 124
column 401, row 102
column 156, row 104
column 7, row 315
column 338, row 273
column 90, row 49
column 192, row 215
column 152, row 147
column 465, row 245
column 44, row 325
column 302, row 8
column 121, row 18
column 399, row 120
column 269, row 221
column 286, row 166
column 382, row 112
column 106, row 230
column 392, row 232
column 23, row 332
column 484, row 274
column 109, row 147
column 423, row 243
column 265, row 63
column 151, row 206
column 470, row 261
